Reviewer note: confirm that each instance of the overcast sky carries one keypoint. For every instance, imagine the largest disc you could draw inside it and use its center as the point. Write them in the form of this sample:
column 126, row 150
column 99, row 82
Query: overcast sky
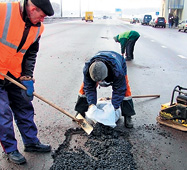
column 109, row 5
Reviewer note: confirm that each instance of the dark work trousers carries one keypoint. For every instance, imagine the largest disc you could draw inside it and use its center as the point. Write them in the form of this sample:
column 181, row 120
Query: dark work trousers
column 130, row 48
column 127, row 108
column 13, row 105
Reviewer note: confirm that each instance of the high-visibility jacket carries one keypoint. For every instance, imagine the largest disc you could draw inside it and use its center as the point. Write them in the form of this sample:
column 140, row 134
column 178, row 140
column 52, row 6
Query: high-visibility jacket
column 124, row 37
column 11, row 31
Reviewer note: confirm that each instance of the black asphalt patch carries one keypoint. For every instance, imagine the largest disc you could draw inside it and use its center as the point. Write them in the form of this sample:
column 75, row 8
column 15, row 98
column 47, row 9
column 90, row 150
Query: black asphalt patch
column 105, row 148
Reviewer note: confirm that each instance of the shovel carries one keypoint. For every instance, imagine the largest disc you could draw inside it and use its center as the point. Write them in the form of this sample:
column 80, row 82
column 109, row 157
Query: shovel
column 79, row 119
column 139, row 96
column 145, row 96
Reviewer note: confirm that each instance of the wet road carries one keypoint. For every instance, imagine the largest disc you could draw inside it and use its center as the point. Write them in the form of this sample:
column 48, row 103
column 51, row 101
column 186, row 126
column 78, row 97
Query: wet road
column 159, row 65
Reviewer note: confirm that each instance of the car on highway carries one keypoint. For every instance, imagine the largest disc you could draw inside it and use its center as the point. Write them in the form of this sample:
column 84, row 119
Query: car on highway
column 134, row 20
column 158, row 22
column 183, row 26
column 105, row 17
column 146, row 19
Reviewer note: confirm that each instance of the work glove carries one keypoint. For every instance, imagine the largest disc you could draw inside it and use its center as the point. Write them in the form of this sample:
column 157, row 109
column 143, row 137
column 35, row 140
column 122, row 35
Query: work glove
column 28, row 94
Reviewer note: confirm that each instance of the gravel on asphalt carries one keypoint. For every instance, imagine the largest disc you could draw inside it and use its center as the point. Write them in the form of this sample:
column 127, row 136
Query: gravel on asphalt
column 105, row 148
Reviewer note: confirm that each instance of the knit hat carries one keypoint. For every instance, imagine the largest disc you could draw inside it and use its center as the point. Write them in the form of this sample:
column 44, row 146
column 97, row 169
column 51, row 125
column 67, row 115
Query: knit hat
column 98, row 71
column 45, row 6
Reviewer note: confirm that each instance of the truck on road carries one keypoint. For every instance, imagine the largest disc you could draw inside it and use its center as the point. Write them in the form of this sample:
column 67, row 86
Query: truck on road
column 89, row 16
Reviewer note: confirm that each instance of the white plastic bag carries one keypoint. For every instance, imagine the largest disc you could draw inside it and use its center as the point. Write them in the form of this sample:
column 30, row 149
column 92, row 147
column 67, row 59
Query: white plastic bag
column 104, row 113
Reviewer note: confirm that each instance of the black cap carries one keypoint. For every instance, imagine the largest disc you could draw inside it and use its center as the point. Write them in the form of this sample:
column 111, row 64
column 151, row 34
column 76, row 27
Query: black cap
column 45, row 6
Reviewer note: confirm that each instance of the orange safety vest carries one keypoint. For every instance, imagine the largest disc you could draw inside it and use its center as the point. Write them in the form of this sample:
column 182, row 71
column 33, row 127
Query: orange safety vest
column 11, row 31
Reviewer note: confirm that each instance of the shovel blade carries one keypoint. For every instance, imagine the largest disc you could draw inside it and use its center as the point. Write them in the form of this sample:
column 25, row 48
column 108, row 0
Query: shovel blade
column 85, row 125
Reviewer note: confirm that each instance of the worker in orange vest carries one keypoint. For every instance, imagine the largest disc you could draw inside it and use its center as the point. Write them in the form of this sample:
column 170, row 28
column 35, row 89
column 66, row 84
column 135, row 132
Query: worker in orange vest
column 20, row 30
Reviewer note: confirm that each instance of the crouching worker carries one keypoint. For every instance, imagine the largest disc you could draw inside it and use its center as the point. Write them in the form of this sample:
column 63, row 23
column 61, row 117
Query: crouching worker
column 106, row 68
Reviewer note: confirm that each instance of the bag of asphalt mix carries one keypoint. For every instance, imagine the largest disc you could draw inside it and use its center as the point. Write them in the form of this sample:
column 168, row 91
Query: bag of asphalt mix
column 103, row 113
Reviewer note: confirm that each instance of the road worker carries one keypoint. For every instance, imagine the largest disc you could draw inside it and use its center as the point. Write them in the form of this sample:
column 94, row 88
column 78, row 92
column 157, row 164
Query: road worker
column 106, row 68
column 127, row 41
column 20, row 31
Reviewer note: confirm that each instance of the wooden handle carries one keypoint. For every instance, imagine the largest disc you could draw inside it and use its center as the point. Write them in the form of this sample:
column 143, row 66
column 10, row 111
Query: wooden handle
column 55, row 106
column 140, row 96
column 144, row 96
column 38, row 96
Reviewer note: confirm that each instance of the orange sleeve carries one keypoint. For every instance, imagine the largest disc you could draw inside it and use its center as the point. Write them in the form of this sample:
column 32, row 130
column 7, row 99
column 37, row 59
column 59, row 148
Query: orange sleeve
column 128, row 91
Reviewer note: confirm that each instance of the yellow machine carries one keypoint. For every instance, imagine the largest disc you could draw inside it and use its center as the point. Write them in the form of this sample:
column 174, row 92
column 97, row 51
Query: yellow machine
column 89, row 16
column 174, row 114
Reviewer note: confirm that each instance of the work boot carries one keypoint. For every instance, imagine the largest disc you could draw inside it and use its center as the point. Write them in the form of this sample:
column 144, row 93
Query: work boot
column 128, row 122
column 38, row 147
column 16, row 157
column 128, row 59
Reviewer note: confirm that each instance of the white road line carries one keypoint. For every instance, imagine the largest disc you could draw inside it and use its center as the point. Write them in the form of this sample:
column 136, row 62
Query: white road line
column 152, row 40
column 163, row 46
column 181, row 56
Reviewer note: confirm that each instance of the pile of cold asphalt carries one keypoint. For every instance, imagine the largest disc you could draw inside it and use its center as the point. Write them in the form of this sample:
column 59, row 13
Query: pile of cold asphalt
column 105, row 148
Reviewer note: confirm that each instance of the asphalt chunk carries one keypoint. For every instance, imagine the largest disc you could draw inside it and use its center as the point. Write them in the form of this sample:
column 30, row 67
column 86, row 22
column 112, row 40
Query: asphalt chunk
column 105, row 148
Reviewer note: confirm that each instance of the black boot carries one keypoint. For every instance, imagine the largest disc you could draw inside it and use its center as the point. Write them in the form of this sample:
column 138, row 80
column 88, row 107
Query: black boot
column 16, row 157
column 38, row 147
column 128, row 59
column 128, row 122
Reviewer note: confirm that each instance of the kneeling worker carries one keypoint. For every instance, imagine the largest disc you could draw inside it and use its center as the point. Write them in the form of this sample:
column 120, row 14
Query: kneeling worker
column 106, row 68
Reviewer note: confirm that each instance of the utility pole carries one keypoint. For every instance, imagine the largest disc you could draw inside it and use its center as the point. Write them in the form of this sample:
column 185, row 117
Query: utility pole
column 61, row 8
column 80, row 7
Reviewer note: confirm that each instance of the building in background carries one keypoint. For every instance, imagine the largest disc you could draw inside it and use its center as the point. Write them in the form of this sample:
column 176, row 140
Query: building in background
column 174, row 8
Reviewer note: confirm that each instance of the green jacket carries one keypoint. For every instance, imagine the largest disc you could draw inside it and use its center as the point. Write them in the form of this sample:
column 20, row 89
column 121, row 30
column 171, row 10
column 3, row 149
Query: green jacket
column 124, row 37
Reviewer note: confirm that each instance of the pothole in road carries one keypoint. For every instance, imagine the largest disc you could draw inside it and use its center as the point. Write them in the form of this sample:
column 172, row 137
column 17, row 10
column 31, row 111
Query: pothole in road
column 104, row 148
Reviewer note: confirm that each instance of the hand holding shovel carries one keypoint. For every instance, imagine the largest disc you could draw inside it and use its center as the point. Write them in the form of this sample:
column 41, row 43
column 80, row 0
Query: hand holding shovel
column 80, row 120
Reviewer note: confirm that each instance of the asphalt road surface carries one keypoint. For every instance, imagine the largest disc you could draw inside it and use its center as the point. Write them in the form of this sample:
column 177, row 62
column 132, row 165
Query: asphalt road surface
column 160, row 64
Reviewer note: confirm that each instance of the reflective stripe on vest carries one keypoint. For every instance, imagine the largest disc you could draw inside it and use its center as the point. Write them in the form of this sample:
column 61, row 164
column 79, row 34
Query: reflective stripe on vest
column 11, row 31
column 5, row 30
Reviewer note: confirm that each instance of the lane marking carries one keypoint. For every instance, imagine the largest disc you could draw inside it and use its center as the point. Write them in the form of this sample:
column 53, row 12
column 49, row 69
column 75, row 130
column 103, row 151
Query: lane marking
column 181, row 56
column 152, row 40
column 163, row 46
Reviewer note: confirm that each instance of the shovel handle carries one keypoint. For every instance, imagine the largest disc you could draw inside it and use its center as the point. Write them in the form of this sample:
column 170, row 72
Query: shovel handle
column 144, row 96
column 39, row 97
column 139, row 96
column 55, row 106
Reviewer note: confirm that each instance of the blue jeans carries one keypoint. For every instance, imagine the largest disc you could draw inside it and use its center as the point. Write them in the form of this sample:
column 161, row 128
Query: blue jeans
column 170, row 24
